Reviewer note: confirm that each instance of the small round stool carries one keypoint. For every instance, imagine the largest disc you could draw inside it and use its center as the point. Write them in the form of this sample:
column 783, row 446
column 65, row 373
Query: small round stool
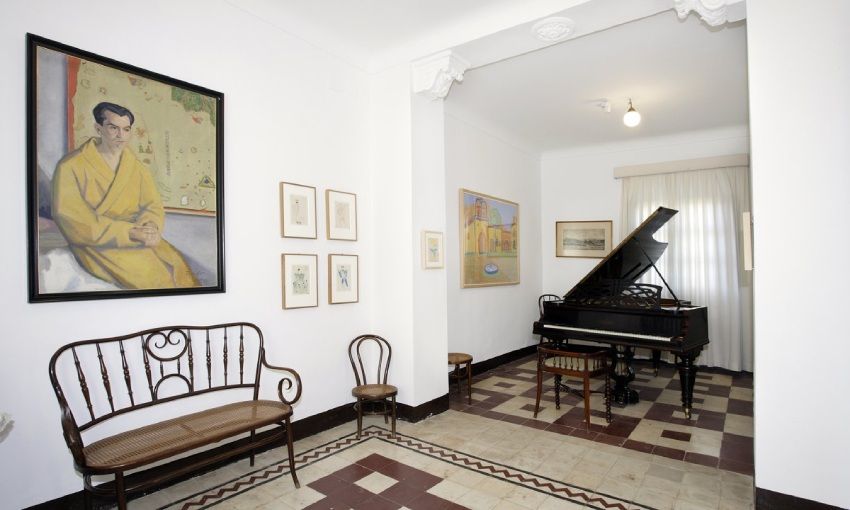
column 457, row 359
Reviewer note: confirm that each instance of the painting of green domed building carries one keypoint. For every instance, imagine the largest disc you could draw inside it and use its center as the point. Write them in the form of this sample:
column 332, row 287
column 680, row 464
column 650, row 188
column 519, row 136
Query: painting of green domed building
column 490, row 240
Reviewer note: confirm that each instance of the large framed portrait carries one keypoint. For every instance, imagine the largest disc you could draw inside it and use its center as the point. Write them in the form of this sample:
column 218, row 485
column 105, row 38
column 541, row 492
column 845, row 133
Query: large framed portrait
column 125, row 189
column 584, row 239
column 489, row 244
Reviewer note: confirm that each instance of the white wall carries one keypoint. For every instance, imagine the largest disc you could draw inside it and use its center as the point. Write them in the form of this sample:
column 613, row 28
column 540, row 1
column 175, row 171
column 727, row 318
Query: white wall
column 579, row 184
column 292, row 113
column 489, row 321
column 800, row 180
column 430, row 321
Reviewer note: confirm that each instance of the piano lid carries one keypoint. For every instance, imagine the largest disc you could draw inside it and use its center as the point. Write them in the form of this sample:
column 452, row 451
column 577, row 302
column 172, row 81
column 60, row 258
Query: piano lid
column 630, row 259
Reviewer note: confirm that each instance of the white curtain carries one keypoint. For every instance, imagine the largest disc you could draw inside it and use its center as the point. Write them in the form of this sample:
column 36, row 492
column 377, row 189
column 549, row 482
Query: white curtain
column 703, row 262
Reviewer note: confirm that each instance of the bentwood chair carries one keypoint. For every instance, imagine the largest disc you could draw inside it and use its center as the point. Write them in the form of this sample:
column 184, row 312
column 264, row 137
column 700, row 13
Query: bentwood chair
column 373, row 353
column 583, row 361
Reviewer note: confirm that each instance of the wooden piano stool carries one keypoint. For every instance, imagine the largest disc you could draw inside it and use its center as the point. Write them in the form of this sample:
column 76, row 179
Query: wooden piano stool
column 583, row 361
column 457, row 359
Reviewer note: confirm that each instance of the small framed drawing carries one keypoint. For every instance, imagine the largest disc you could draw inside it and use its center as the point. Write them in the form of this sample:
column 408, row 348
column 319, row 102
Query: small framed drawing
column 341, row 215
column 432, row 250
column 343, row 279
column 297, row 210
column 588, row 239
column 300, row 275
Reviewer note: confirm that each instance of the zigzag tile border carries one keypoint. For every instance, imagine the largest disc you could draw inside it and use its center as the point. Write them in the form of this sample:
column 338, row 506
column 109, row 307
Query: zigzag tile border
column 542, row 484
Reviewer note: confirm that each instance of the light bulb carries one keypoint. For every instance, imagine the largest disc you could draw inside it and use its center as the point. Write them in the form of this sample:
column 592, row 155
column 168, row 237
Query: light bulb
column 632, row 117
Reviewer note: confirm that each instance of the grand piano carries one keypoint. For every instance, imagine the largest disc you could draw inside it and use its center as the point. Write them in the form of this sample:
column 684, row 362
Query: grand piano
column 608, row 306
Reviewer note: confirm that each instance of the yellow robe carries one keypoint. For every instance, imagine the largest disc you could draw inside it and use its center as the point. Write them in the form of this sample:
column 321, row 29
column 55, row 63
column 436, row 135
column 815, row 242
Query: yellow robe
column 95, row 208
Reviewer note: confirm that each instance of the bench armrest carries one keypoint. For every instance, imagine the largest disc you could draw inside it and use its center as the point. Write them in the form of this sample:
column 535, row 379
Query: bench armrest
column 292, row 380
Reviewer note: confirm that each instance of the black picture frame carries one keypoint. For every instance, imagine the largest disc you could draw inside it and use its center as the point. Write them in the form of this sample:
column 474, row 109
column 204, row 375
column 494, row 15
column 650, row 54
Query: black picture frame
column 84, row 246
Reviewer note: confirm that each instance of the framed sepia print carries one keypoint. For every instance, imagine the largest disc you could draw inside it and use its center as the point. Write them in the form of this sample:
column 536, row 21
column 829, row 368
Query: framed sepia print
column 343, row 279
column 300, row 274
column 489, row 244
column 297, row 210
column 125, row 190
column 432, row 250
column 588, row 239
column 341, row 215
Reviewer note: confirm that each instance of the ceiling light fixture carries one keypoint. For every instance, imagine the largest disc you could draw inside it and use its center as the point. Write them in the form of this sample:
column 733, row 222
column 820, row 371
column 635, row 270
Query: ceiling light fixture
column 632, row 117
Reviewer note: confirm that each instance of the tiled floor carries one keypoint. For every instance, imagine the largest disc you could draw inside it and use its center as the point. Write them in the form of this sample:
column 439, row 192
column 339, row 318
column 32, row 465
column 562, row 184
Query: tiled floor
column 720, row 433
column 493, row 455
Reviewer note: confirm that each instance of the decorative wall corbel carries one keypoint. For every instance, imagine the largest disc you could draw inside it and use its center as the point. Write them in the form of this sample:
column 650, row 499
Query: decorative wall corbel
column 713, row 12
column 433, row 76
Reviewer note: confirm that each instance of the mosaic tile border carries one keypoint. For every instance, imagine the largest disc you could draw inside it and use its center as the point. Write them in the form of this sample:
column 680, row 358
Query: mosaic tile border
column 542, row 484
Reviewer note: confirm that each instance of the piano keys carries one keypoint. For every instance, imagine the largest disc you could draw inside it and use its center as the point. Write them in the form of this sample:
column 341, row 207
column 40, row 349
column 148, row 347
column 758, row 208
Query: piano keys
column 608, row 306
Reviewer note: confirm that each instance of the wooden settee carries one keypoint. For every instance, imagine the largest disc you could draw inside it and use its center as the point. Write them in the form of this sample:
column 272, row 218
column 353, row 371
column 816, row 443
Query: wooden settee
column 143, row 398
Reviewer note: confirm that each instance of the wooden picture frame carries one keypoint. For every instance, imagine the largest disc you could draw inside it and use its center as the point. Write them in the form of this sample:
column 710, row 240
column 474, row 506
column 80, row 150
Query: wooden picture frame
column 489, row 240
column 297, row 211
column 433, row 256
column 341, row 215
column 343, row 279
column 300, row 280
column 583, row 239
column 150, row 219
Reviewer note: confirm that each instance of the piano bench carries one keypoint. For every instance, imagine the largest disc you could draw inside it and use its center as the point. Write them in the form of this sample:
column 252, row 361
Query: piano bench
column 582, row 361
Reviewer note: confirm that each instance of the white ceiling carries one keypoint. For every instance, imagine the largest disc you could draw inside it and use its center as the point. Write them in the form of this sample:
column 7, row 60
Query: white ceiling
column 376, row 34
column 681, row 76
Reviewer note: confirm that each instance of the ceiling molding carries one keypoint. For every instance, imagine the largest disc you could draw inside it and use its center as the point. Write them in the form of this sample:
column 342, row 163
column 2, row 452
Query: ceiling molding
column 713, row 12
column 683, row 165
column 434, row 75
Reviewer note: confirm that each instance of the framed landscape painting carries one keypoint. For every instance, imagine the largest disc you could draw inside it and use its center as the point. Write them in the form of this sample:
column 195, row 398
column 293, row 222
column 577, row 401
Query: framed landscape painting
column 489, row 244
column 587, row 239
column 125, row 192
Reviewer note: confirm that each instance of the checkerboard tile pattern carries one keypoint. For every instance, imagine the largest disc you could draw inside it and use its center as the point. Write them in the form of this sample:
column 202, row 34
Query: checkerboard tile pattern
column 720, row 433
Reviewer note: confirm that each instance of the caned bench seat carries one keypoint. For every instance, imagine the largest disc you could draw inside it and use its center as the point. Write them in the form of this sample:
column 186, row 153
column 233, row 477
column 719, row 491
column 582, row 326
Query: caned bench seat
column 158, row 441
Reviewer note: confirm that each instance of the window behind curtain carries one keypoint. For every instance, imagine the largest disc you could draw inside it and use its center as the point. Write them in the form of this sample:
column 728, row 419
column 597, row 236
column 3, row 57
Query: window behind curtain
column 703, row 262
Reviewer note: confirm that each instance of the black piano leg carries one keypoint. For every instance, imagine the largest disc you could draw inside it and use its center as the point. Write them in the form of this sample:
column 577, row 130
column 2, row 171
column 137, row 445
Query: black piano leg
column 557, row 391
column 623, row 373
column 656, row 360
column 687, row 378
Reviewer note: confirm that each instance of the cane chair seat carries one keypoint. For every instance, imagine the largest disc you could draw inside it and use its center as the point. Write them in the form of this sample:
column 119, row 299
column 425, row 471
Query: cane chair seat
column 374, row 391
column 457, row 358
column 155, row 442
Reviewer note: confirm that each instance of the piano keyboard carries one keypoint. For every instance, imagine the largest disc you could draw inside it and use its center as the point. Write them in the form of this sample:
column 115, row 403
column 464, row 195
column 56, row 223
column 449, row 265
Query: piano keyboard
column 611, row 333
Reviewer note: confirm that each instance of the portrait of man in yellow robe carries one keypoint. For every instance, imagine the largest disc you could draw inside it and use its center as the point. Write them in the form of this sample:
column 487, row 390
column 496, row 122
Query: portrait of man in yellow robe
column 106, row 205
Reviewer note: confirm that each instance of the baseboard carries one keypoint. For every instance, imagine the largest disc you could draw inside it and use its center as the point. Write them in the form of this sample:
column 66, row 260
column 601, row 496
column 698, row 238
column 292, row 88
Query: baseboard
column 490, row 364
column 770, row 500
column 422, row 411
column 300, row 429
